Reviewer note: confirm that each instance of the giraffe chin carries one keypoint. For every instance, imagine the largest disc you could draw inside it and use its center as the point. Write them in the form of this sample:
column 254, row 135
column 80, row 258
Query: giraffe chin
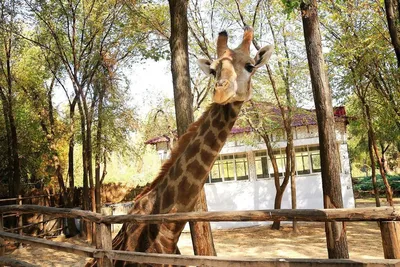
column 222, row 98
column 226, row 101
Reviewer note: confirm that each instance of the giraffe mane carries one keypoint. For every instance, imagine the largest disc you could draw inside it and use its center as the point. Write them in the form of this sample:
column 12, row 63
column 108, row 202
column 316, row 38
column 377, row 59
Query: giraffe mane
column 183, row 142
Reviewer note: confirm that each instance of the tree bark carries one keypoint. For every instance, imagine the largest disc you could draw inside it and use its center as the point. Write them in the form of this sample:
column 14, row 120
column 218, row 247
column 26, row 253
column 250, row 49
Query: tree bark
column 71, row 146
column 16, row 174
column 390, row 16
column 98, row 149
column 373, row 171
column 86, row 229
column 279, row 188
column 388, row 188
column 180, row 64
column 330, row 171
column 8, row 138
column 201, row 231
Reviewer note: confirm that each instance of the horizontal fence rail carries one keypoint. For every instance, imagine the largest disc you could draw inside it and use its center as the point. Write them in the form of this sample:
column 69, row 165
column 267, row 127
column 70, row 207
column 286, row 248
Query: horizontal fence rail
column 309, row 215
column 30, row 197
column 153, row 258
column 387, row 216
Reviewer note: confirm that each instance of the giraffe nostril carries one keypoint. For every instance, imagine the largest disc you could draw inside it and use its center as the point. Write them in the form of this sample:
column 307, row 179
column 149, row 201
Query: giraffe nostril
column 222, row 83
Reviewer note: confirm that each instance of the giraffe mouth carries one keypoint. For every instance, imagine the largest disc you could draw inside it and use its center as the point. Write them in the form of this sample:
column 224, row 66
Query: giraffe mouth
column 223, row 99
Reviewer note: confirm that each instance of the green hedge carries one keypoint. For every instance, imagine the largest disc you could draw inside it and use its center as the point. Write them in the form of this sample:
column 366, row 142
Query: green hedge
column 365, row 183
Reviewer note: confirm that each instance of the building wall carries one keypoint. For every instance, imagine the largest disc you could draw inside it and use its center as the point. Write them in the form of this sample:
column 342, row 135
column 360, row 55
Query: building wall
column 259, row 194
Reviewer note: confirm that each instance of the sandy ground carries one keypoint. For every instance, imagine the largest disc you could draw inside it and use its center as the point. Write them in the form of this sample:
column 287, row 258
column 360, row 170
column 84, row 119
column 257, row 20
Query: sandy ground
column 364, row 242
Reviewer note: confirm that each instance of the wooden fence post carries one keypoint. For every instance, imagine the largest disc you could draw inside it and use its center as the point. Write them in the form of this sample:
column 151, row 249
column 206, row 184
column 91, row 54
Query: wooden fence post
column 20, row 221
column 41, row 214
column 2, row 242
column 390, row 232
column 104, row 242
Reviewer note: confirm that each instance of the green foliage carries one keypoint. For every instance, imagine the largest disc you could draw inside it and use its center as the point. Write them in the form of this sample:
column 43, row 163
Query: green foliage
column 291, row 5
column 365, row 183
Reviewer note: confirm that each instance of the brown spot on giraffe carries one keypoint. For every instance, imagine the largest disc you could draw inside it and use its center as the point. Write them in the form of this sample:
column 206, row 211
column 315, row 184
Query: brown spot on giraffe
column 186, row 190
column 193, row 149
column 168, row 197
column 205, row 127
column 211, row 140
column 196, row 169
column 176, row 170
column 222, row 135
column 207, row 157
column 233, row 113
column 219, row 124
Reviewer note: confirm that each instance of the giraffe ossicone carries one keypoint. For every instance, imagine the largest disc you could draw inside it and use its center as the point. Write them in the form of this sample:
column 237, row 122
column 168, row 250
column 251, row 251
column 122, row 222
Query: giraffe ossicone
column 182, row 177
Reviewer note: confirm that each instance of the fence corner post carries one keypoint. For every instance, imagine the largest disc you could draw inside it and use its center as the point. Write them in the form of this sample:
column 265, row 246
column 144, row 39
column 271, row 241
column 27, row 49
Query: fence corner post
column 104, row 242
column 390, row 233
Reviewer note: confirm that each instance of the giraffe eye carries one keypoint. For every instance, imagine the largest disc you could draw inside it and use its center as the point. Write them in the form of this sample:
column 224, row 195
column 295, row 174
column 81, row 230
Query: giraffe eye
column 249, row 67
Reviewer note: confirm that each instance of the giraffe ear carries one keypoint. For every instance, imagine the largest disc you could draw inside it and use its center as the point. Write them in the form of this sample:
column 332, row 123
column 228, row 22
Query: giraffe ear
column 263, row 55
column 205, row 66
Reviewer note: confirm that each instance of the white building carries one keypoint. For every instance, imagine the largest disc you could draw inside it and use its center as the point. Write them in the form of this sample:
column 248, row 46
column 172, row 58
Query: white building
column 242, row 177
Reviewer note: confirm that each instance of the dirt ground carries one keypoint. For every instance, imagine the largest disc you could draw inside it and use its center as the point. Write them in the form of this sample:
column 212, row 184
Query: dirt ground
column 364, row 242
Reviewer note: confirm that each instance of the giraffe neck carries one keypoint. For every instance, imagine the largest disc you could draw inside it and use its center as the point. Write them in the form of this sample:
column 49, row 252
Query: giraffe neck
column 185, row 178
column 181, row 180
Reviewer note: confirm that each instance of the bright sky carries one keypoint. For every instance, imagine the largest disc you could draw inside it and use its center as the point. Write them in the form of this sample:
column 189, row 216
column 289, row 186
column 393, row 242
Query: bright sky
column 149, row 81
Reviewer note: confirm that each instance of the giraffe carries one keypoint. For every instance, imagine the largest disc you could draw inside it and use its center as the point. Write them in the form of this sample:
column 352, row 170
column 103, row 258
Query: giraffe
column 181, row 178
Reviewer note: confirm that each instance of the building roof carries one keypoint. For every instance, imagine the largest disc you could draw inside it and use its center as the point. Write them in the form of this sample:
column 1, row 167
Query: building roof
column 301, row 117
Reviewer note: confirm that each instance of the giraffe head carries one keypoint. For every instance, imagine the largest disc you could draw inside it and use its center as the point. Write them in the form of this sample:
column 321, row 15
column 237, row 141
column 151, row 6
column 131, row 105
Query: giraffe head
column 234, row 68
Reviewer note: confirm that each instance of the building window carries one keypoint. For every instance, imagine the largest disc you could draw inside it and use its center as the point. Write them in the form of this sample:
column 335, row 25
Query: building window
column 163, row 154
column 302, row 160
column 315, row 159
column 261, row 159
column 307, row 161
column 280, row 162
column 216, row 174
column 230, row 168
column 241, row 165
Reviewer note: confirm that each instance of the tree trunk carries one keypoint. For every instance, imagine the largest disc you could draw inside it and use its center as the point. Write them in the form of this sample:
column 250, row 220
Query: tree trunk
column 201, row 231
column 71, row 146
column 14, row 150
column 279, row 188
column 86, row 231
column 383, row 158
column 388, row 188
column 330, row 170
column 373, row 171
column 180, row 64
column 293, row 189
column 8, row 138
column 98, row 149
column 16, row 172
column 390, row 16
column 204, row 245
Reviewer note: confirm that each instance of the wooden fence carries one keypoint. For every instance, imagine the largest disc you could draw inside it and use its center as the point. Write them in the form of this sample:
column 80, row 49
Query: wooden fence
column 387, row 216
column 19, row 215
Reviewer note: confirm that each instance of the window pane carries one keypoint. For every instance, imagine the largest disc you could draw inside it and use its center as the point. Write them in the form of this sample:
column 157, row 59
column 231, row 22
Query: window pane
column 215, row 173
column 280, row 161
column 241, row 167
column 315, row 162
column 261, row 161
column 302, row 163
column 228, row 168
column 313, row 148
